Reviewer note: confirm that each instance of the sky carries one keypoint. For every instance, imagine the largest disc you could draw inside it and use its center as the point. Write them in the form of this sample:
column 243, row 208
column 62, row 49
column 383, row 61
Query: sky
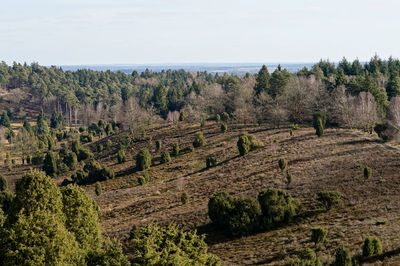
column 76, row 32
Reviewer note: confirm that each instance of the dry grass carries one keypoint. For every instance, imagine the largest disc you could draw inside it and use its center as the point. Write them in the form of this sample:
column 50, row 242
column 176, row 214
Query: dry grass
column 333, row 162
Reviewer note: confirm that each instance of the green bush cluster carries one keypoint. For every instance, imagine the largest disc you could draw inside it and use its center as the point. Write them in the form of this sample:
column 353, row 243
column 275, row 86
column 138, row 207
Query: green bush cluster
column 211, row 162
column 91, row 173
column 165, row 157
column 98, row 189
column 342, row 257
column 121, row 156
column 243, row 216
column 318, row 235
column 224, row 127
column 306, row 257
column 145, row 178
column 175, row 149
column 199, row 140
column 372, row 246
column 247, row 143
column 143, row 159
column 184, row 198
column 319, row 121
column 86, row 137
column 169, row 245
column 330, row 199
column 282, row 164
column 48, row 226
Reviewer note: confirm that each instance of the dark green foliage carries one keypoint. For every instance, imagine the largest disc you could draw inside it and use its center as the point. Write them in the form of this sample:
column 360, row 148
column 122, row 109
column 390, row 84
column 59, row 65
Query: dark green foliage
column 75, row 146
column 342, row 257
column 241, row 216
column 143, row 159
column 175, row 149
column 211, row 162
column 330, row 199
column 169, row 246
column 49, row 164
column 306, row 257
column 182, row 116
column 282, row 164
column 141, row 180
column 100, row 148
column 5, row 120
column 367, row 172
column 262, row 81
column 165, row 157
column 97, row 189
column 86, row 137
column 3, row 184
column 224, row 127
column 372, row 246
column 243, row 144
column 184, row 198
column 319, row 121
column 57, row 121
column 71, row 160
column 380, row 129
column 37, row 158
column 91, row 173
column 288, row 178
column 318, row 235
column 42, row 127
column 199, row 140
column 108, row 143
column 111, row 253
column 277, row 207
column 121, row 156
column 84, row 154
column 108, row 129
column 217, row 118
column 158, row 145
column 225, row 117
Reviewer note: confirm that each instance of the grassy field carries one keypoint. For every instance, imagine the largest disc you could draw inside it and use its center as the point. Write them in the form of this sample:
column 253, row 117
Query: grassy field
column 332, row 162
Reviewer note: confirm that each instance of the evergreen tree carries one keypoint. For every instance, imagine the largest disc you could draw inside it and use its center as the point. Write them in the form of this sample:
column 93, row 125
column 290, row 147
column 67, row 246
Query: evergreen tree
column 42, row 127
column 50, row 164
column 262, row 80
column 393, row 86
column 5, row 120
column 160, row 99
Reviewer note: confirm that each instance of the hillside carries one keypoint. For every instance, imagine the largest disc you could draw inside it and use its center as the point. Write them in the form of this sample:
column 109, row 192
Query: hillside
column 332, row 162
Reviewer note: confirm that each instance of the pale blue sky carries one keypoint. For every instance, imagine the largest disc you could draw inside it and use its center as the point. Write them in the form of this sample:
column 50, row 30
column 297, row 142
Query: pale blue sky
column 186, row 31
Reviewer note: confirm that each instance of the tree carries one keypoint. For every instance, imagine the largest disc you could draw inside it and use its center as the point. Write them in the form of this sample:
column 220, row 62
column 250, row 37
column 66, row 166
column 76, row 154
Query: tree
column 319, row 121
column 243, row 144
column 81, row 217
column 165, row 157
column 318, row 235
column 262, row 80
column 42, row 127
column 393, row 86
column 160, row 99
column 3, row 184
column 35, row 232
column 342, row 257
column 5, row 120
column 199, row 140
column 143, row 159
column 50, row 164
column 169, row 245
column 121, row 156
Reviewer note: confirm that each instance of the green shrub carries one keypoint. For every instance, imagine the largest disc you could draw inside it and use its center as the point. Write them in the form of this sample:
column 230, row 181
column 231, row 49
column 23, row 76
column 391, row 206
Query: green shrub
column 225, row 117
column 367, row 172
column 342, row 257
column 97, row 189
column 282, row 164
column 318, row 235
column 143, row 159
column 141, row 180
column 3, row 184
column 368, row 247
column 380, row 129
column 91, row 173
column 372, row 246
column 319, row 121
column 330, row 199
column 86, row 137
column 217, row 117
column 49, row 164
column 243, row 144
column 277, row 207
column 108, row 143
column 184, row 198
column 240, row 215
column 175, row 149
column 165, row 157
column 71, row 160
column 169, row 245
column 211, row 162
column 306, row 257
column 288, row 178
column 158, row 145
column 224, row 127
column 182, row 116
column 199, row 140
column 121, row 156
column 84, row 154
column 100, row 148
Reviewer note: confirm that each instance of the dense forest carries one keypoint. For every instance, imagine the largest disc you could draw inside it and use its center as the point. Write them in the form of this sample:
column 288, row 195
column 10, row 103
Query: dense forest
column 63, row 122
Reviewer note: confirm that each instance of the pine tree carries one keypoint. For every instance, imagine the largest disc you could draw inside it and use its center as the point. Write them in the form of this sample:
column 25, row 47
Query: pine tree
column 42, row 127
column 262, row 80
column 50, row 164
column 5, row 120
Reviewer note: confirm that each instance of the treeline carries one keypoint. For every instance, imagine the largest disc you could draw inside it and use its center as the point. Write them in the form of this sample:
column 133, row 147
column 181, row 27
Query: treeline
column 351, row 94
